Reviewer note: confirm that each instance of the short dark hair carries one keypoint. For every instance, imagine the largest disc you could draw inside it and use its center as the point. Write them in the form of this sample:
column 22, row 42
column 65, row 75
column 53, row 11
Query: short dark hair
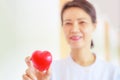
column 83, row 4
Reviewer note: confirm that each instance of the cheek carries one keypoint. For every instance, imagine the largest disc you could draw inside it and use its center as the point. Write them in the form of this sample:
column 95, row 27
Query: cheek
column 66, row 31
column 88, row 32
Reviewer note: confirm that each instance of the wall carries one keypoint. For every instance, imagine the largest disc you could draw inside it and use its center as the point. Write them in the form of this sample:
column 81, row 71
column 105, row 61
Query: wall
column 26, row 25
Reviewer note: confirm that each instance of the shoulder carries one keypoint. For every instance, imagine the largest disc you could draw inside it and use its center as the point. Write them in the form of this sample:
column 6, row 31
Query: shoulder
column 109, row 69
column 106, row 64
column 103, row 63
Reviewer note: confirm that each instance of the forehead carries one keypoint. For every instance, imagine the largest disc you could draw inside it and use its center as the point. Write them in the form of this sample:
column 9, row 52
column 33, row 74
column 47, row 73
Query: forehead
column 75, row 13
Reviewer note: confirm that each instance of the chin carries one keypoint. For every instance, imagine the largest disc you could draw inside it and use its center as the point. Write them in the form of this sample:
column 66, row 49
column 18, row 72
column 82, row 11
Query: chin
column 76, row 46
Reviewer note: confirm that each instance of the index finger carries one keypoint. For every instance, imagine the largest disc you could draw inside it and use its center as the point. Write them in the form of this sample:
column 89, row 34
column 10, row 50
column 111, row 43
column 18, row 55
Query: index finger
column 28, row 61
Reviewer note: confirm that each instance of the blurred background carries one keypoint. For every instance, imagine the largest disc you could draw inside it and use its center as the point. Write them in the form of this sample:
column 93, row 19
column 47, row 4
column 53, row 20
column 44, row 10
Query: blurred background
column 28, row 25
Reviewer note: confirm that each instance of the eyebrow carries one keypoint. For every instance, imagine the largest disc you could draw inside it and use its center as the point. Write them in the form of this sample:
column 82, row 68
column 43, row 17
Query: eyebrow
column 77, row 19
column 67, row 20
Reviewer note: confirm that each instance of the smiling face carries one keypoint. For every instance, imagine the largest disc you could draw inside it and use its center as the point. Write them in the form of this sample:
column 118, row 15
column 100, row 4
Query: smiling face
column 78, row 27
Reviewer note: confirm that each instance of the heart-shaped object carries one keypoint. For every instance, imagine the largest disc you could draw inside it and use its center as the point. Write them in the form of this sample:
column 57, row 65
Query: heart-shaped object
column 41, row 60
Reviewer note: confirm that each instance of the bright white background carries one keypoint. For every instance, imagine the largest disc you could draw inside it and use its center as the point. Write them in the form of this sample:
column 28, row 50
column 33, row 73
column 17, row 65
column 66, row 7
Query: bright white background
column 27, row 25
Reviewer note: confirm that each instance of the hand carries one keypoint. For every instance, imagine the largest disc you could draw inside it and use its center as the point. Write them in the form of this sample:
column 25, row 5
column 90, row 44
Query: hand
column 33, row 74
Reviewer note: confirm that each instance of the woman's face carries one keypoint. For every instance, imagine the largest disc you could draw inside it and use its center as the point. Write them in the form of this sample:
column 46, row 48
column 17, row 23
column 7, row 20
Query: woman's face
column 77, row 27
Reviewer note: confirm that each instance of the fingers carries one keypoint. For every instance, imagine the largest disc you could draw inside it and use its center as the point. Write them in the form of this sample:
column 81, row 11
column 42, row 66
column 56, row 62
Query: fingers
column 28, row 61
column 32, row 73
column 29, row 75
column 45, row 75
column 48, row 72
column 26, row 77
column 37, row 75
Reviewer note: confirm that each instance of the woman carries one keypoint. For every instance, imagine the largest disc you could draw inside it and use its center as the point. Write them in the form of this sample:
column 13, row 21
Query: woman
column 79, row 22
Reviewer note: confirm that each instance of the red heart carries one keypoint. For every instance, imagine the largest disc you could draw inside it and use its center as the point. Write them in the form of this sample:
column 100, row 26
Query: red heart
column 41, row 60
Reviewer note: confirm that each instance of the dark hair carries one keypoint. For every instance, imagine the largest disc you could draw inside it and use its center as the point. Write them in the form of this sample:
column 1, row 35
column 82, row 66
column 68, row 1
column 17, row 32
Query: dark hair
column 83, row 4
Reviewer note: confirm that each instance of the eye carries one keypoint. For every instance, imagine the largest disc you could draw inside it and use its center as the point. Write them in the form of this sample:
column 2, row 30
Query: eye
column 67, row 23
column 82, row 22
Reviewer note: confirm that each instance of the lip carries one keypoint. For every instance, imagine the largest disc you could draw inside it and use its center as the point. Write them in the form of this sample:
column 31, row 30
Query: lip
column 75, row 38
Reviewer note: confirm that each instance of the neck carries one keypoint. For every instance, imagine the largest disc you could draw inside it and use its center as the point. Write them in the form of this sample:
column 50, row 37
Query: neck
column 83, row 57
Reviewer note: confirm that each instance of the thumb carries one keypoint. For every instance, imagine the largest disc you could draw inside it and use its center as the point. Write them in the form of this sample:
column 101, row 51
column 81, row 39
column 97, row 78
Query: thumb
column 48, row 72
column 45, row 75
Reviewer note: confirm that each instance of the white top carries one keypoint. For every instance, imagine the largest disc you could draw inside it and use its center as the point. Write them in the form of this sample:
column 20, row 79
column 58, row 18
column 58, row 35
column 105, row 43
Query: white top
column 67, row 69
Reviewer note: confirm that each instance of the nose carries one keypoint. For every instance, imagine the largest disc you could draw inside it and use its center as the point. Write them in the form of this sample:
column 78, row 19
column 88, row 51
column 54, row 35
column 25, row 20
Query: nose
column 75, row 28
